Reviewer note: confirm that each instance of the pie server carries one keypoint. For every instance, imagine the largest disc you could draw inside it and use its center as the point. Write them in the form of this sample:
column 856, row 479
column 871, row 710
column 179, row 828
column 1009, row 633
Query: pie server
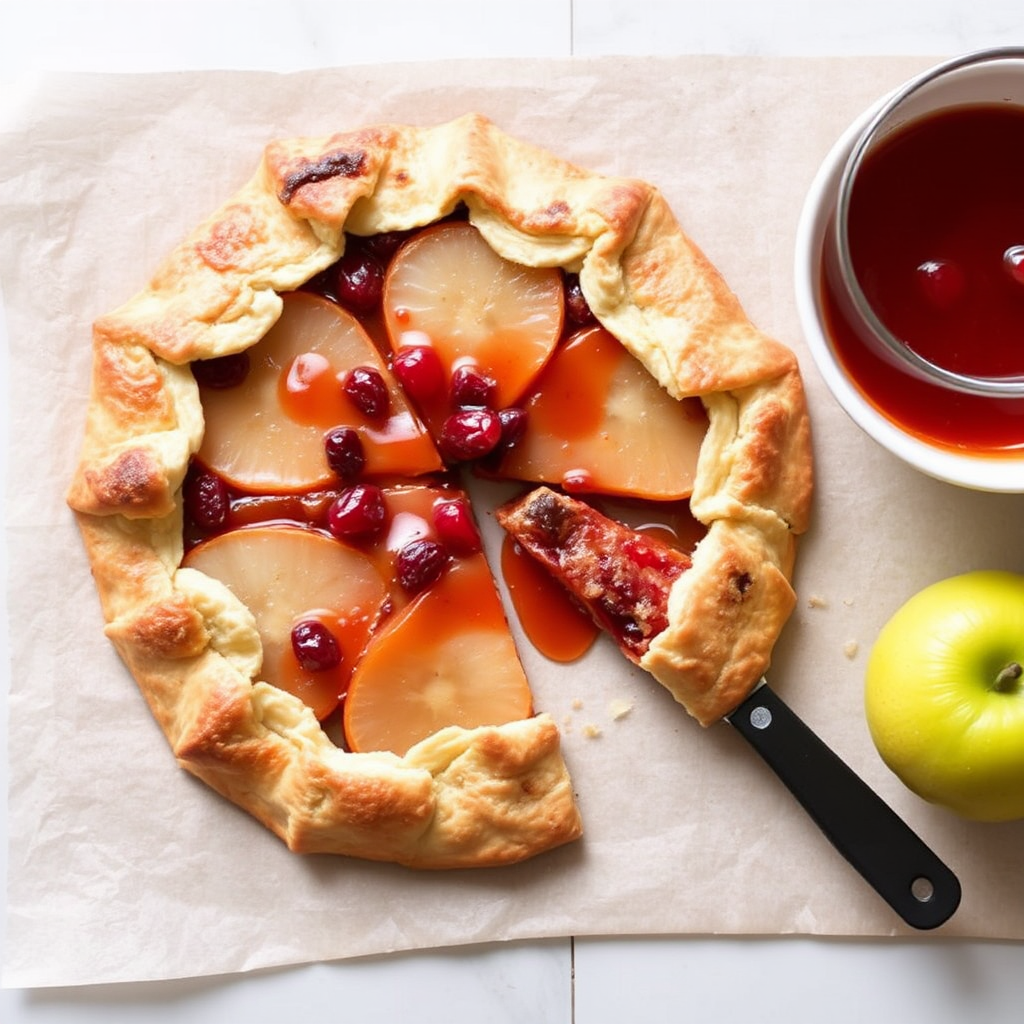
column 862, row 827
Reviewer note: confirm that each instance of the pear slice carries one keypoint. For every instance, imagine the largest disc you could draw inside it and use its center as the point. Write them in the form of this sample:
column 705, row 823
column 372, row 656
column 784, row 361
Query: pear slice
column 447, row 658
column 447, row 288
column 289, row 574
column 267, row 433
column 597, row 421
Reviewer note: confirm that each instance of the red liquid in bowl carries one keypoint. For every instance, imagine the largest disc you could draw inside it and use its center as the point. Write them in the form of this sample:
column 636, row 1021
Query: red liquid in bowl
column 935, row 210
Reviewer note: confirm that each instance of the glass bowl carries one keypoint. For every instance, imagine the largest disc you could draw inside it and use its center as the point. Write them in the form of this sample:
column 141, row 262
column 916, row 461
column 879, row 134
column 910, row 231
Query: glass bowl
column 848, row 337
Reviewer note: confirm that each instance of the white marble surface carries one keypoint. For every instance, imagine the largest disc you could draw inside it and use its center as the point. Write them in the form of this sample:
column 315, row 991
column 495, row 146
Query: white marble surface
column 585, row 981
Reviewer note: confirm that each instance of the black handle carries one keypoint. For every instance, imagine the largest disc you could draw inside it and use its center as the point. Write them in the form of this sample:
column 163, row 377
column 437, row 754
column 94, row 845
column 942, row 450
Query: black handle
column 862, row 827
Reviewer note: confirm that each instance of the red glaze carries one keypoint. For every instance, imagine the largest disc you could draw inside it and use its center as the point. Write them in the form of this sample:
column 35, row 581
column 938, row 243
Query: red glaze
column 936, row 220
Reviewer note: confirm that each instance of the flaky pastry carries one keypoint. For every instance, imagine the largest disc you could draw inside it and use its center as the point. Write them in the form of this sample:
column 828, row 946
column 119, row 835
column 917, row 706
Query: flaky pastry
column 462, row 797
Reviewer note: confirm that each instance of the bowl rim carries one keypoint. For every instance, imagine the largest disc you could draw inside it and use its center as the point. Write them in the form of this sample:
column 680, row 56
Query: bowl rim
column 986, row 472
column 873, row 131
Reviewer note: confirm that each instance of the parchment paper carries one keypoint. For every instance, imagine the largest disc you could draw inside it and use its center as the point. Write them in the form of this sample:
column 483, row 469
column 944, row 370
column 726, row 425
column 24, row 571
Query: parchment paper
column 122, row 867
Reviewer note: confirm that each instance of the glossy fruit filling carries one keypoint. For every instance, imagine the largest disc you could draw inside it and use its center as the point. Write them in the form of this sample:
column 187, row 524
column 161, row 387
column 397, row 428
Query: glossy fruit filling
column 329, row 492
column 619, row 576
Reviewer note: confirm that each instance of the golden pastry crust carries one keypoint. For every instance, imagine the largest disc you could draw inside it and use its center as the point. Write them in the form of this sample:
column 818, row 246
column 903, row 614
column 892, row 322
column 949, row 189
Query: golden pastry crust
column 462, row 797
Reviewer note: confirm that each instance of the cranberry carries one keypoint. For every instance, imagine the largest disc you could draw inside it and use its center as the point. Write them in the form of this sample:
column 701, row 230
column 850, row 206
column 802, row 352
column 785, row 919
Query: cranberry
column 454, row 524
column 315, row 646
column 222, row 371
column 206, row 499
column 469, row 434
column 420, row 563
column 1013, row 260
column 577, row 480
column 419, row 369
column 576, row 304
column 942, row 282
column 345, row 455
column 631, row 630
column 359, row 511
column 359, row 281
column 365, row 386
column 383, row 246
column 470, row 388
column 513, row 425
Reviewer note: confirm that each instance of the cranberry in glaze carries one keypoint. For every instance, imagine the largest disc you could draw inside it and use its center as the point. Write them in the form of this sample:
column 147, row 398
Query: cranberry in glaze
column 383, row 246
column 513, row 425
column 419, row 370
column 577, row 481
column 1013, row 260
column 456, row 528
column 576, row 305
column 206, row 500
column 221, row 372
column 359, row 511
column 470, row 388
column 942, row 282
column 420, row 563
column 359, row 281
column 366, row 388
column 315, row 646
column 345, row 454
column 469, row 434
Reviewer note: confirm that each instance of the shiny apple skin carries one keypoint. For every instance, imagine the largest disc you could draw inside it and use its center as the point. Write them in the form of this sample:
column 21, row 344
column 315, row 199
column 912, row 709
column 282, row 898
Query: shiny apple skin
column 936, row 714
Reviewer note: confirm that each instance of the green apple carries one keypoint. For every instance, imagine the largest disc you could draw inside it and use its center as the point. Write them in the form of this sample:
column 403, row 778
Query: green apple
column 944, row 694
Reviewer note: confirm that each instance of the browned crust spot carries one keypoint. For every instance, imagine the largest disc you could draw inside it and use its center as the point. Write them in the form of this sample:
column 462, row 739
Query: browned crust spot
column 230, row 238
column 133, row 481
column 339, row 164
column 171, row 628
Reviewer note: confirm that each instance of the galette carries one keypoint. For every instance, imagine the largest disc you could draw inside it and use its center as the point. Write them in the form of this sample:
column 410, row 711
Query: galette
column 295, row 431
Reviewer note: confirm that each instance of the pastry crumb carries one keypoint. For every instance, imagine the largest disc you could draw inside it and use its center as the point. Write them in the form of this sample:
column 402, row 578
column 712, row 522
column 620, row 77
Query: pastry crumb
column 577, row 704
column 591, row 731
column 816, row 601
column 850, row 648
column 619, row 708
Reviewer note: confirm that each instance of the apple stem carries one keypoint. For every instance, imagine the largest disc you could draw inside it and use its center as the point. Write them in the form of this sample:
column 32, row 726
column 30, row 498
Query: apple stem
column 1008, row 675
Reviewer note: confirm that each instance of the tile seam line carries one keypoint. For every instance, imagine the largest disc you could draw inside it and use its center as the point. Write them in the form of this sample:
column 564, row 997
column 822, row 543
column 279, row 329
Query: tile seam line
column 572, row 979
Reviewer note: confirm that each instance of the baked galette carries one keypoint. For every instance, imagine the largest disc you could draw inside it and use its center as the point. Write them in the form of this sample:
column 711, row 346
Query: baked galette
column 283, row 433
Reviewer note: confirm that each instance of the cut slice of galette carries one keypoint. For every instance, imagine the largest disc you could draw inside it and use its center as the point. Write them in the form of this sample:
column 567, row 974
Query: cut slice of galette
column 277, row 485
